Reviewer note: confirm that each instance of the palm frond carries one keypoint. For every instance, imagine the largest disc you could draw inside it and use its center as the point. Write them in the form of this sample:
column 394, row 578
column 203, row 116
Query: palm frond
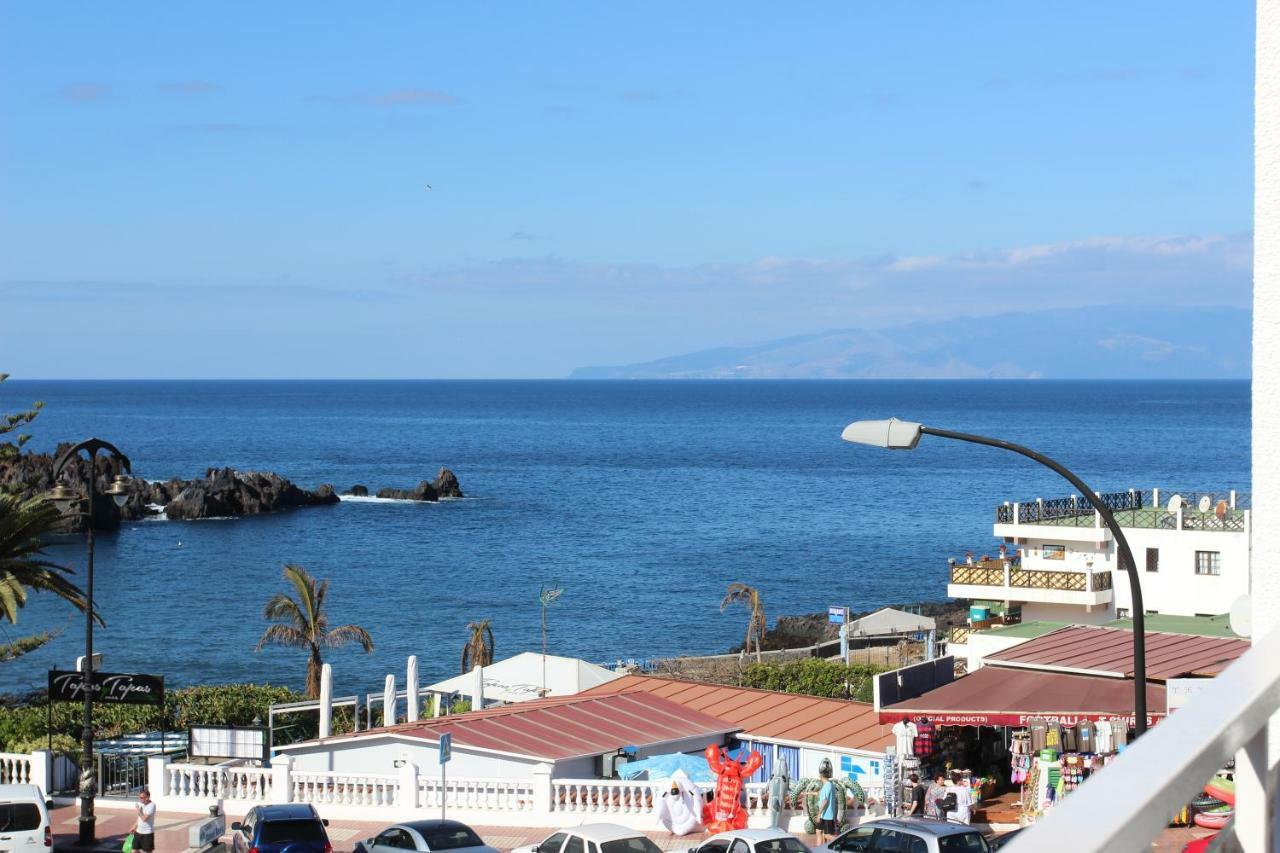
column 344, row 634
column 282, row 607
column 282, row 635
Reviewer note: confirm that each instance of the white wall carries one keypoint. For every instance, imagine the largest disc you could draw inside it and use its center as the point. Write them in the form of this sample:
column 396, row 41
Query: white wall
column 372, row 755
column 1073, row 613
column 1266, row 321
column 983, row 643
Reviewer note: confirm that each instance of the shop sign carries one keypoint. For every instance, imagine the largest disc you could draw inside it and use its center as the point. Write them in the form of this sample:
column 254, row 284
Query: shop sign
column 837, row 615
column 1008, row 719
column 1178, row 691
column 111, row 688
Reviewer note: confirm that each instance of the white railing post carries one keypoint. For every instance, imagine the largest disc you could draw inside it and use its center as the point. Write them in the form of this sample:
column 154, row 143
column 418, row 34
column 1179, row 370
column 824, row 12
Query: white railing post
column 158, row 775
column 1255, row 795
column 543, row 800
column 1016, row 506
column 42, row 769
column 1006, row 574
column 281, row 781
column 407, row 795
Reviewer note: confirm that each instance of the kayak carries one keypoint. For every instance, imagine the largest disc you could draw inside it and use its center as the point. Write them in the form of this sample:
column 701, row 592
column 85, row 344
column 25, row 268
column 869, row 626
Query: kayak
column 1222, row 788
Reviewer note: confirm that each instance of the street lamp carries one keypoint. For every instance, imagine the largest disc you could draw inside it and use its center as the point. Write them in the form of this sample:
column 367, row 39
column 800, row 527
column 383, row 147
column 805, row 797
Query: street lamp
column 65, row 498
column 893, row 434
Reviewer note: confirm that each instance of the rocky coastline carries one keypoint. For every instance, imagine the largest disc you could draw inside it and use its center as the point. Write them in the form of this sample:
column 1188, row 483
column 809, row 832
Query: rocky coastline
column 221, row 493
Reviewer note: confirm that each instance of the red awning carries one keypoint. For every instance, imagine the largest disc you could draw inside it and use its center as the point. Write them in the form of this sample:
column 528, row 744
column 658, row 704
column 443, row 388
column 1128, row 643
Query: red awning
column 996, row 696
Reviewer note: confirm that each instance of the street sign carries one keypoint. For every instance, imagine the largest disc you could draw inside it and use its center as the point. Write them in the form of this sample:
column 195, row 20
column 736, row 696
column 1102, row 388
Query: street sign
column 112, row 688
column 446, row 748
column 837, row 615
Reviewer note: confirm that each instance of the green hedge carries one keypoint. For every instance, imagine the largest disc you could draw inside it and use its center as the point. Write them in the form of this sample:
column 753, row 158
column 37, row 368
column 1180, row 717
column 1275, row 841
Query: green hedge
column 814, row 677
column 209, row 705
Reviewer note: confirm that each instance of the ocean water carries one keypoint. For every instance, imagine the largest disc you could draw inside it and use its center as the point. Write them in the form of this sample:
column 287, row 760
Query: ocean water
column 642, row 499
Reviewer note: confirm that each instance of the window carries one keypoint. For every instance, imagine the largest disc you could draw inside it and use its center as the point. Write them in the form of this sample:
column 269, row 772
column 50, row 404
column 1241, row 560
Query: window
column 889, row 841
column 308, row 831
column 857, row 840
column 574, row 845
column 967, row 842
column 552, row 844
column 719, row 845
column 19, row 817
column 450, row 838
column 1122, row 613
column 1153, row 559
column 1208, row 562
column 1053, row 552
column 781, row 845
column 739, row 846
column 640, row 844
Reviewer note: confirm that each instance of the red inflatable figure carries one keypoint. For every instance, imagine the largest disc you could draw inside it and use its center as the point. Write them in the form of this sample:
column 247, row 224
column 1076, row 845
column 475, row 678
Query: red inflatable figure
column 725, row 811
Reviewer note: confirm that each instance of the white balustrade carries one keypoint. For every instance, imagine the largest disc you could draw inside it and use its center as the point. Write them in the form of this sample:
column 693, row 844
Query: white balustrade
column 601, row 796
column 207, row 781
column 358, row 789
column 474, row 793
column 15, row 769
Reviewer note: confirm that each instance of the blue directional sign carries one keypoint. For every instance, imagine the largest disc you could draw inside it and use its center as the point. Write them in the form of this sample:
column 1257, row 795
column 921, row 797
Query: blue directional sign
column 446, row 748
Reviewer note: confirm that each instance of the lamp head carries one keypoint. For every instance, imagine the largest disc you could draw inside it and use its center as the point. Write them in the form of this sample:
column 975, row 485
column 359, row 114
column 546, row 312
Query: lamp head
column 119, row 490
column 892, row 434
column 63, row 497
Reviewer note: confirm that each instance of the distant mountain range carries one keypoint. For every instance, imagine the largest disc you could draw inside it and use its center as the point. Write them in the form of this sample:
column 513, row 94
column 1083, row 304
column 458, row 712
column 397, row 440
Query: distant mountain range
column 1098, row 342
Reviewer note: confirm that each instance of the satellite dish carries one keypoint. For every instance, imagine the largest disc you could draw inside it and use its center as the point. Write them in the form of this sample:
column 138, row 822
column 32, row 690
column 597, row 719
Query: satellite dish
column 1240, row 619
column 1206, row 503
column 1175, row 503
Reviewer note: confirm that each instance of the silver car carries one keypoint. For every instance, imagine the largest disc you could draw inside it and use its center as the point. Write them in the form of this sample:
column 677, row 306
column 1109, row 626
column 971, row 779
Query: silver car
column 425, row 836
column 893, row 835
column 752, row 841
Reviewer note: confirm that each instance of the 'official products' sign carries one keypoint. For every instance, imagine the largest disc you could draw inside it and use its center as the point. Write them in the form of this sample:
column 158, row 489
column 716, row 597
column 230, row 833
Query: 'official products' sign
column 120, row 688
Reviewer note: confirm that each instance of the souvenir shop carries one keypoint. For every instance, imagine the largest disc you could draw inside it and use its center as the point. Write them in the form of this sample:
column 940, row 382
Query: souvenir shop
column 996, row 729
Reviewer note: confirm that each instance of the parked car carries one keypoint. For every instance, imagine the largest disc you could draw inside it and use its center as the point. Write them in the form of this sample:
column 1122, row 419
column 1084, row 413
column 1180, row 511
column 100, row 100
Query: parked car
column 895, row 835
column 752, row 841
column 24, row 819
column 999, row 842
column 425, row 836
column 272, row 829
column 594, row 838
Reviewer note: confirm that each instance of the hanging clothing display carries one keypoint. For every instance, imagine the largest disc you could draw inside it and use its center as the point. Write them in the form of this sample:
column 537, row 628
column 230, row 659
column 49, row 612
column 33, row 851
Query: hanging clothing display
column 904, row 734
column 926, row 738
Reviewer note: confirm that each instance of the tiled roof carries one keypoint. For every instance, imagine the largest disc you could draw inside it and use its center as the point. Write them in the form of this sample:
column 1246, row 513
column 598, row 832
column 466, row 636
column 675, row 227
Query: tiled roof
column 1109, row 651
column 786, row 717
column 560, row 728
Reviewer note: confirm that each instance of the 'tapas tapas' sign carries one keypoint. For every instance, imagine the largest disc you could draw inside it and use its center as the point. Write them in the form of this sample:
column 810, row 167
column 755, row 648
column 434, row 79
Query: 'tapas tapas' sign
column 112, row 688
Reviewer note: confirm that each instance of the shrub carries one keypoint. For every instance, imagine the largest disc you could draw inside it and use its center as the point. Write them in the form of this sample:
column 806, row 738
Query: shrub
column 814, row 677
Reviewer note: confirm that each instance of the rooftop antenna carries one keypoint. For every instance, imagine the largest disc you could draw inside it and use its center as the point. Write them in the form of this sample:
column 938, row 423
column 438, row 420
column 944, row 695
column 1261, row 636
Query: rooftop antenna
column 548, row 595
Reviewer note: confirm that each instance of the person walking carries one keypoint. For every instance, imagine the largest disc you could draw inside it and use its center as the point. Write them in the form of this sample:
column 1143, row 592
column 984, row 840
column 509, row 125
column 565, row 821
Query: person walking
column 144, row 828
column 915, row 808
column 827, row 809
column 964, row 798
column 933, row 796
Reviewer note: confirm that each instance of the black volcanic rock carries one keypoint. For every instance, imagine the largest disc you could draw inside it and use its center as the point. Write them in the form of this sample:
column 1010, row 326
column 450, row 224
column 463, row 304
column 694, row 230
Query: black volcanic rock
column 227, row 492
column 424, row 492
column 359, row 491
column 446, row 484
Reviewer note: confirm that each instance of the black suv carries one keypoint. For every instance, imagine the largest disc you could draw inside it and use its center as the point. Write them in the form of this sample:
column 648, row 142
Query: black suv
column 281, row 829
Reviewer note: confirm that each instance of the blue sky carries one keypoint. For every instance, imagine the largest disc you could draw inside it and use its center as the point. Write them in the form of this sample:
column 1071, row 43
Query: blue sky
column 609, row 182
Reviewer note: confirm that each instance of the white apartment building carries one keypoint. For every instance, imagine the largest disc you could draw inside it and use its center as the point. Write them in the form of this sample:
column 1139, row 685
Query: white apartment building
column 1060, row 562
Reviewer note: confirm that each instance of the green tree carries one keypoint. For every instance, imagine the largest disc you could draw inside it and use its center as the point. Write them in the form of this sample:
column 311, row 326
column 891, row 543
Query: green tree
column 749, row 597
column 13, row 423
column 478, row 650
column 302, row 623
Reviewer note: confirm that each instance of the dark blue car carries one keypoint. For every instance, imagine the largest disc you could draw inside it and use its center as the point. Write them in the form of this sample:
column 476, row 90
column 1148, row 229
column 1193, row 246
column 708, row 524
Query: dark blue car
column 294, row 828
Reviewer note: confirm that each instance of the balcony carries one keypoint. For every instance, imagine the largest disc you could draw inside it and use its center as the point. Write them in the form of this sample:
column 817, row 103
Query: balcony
column 1226, row 512
column 1005, row 581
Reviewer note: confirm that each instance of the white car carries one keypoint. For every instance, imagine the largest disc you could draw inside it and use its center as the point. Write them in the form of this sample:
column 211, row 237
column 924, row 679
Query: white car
column 24, row 820
column 752, row 841
column 908, row 835
column 594, row 838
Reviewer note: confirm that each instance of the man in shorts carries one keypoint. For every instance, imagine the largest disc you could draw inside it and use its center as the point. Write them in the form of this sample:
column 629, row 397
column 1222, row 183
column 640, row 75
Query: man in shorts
column 827, row 807
column 144, row 829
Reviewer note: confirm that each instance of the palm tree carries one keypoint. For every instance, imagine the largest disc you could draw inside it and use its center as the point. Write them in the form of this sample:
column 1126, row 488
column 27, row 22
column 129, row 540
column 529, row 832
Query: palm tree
column 303, row 624
column 479, row 648
column 748, row 596
column 23, row 525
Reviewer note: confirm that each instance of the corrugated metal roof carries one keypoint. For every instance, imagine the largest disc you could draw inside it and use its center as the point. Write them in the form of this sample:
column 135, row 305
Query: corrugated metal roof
column 766, row 713
column 562, row 727
column 1109, row 651
column 994, row 692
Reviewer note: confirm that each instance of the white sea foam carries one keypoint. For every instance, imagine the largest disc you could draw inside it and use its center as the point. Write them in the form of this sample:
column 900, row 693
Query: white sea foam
column 370, row 499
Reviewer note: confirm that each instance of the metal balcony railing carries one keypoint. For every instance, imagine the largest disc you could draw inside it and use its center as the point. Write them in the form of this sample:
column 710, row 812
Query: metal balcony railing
column 1228, row 511
column 1127, row 805
column 997, row 573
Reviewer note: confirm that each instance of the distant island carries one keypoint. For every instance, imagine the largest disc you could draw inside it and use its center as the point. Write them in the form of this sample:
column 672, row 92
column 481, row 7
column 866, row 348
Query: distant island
column 1098, row 342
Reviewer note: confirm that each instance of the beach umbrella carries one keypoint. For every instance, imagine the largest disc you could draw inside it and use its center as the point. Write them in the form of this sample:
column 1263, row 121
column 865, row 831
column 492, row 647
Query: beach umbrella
column 389, row 701
column 658, row 767
column 411, row 690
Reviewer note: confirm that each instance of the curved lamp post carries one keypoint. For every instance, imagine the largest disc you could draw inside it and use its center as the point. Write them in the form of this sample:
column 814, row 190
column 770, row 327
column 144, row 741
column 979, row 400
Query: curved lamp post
column 894, row 434
column 66, row 498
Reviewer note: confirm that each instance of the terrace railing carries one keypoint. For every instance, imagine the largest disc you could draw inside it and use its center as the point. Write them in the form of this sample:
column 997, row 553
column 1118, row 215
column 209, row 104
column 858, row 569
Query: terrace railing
column 478, row 794
column 1228, row 511
column 358, row 789
column 997, row 573
column 1126, row 806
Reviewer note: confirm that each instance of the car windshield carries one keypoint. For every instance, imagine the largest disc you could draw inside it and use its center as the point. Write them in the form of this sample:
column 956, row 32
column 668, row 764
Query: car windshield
column 639, row 844
column 283, row 831
column 967, row 842
column 781, row 845
column 451, row 838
